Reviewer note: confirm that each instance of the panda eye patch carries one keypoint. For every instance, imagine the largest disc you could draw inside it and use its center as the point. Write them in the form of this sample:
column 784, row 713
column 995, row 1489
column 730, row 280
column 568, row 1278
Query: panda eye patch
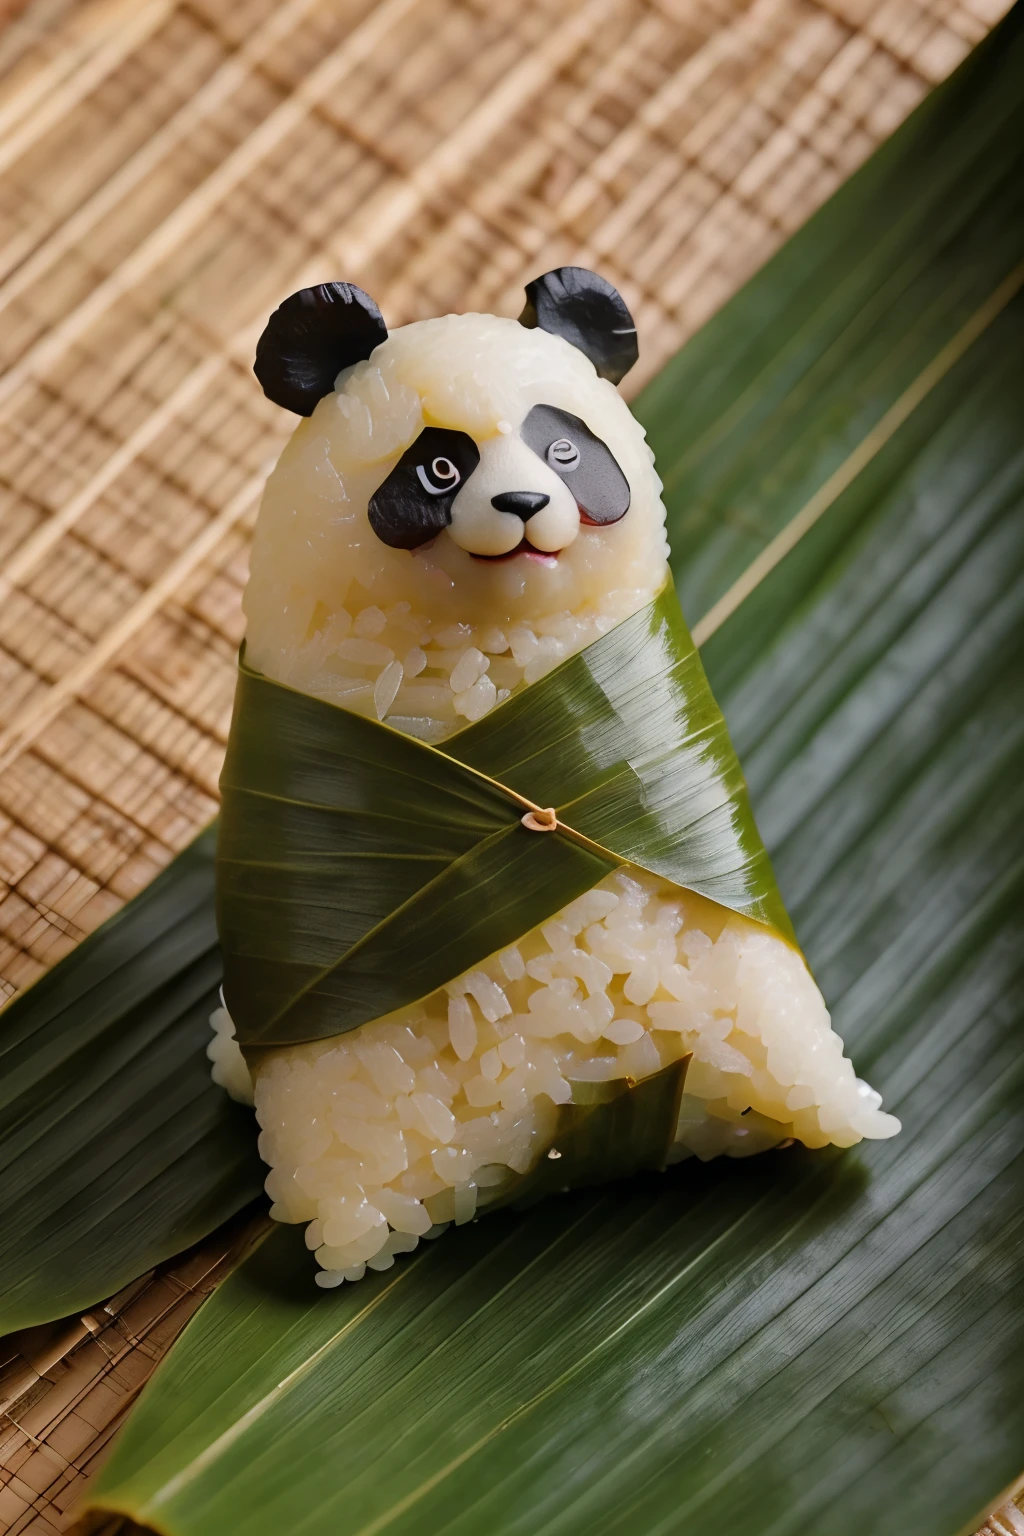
column 579, row 457
column 563, row 455
column 439, row 477
column 414, row 503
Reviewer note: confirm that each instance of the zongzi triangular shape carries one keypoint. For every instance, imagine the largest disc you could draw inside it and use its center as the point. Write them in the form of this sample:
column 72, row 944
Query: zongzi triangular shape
column 496, row 917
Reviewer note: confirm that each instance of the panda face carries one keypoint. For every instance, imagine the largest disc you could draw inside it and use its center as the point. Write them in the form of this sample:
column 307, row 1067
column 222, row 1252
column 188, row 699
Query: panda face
column 520, row 493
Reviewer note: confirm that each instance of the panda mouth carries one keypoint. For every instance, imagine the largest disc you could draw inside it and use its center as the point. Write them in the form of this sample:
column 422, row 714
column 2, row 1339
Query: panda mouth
column 524, row 547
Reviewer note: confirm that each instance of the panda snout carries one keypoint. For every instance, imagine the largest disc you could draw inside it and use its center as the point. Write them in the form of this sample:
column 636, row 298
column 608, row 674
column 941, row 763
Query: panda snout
column 523, row 503
column 490, row 519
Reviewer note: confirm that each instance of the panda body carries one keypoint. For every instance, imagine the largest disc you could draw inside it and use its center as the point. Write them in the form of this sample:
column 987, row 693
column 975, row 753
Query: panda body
column 423, row 550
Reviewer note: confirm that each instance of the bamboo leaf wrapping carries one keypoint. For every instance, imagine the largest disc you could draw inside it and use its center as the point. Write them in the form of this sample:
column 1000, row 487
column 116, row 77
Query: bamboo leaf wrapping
column 359, row 870
column 610, row 1131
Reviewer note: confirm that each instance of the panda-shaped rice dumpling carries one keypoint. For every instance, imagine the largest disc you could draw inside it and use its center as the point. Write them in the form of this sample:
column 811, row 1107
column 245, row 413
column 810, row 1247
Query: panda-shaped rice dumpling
column 468, row 503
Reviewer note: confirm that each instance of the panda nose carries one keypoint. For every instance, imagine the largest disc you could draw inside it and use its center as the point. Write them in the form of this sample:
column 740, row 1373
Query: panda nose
column 523, row 503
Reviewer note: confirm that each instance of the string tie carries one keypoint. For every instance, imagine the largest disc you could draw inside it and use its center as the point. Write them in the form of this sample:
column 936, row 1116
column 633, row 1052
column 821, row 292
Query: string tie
column 541, row 821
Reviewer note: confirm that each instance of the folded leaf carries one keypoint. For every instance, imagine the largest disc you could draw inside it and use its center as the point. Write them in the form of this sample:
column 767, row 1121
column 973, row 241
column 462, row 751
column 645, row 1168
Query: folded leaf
column 609, row 1131
column 345, row 845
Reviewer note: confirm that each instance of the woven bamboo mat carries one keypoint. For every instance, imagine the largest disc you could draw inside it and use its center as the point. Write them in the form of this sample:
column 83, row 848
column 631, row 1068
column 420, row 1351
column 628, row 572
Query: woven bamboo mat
column 65, row 1387
column 169, row 170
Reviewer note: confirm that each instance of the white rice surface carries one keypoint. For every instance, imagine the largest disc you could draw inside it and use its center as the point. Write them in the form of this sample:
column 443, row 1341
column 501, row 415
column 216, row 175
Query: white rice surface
column 384, row 1135
column 227, row 1064
column 432, row 639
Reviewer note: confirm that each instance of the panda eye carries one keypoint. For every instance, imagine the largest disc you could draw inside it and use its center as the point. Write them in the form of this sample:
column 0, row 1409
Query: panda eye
column 440, row 477
column 563, row 454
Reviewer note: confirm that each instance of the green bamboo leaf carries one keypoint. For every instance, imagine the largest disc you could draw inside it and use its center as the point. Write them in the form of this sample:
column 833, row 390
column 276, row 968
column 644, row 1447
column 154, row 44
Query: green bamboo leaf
column 775, row 393
column 116, row 1150
column 609, row 1131
column 626, row 740
column 329, row 823
column 473, row 908
column 805, row 1343
column 343, row 843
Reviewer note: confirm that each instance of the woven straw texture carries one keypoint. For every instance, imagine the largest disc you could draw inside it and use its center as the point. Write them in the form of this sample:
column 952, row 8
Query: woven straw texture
column 168, row 172
column 65, row 1387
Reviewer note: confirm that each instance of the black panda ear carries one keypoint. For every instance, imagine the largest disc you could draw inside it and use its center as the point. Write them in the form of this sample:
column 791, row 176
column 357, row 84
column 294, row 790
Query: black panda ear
column 310, row 338
column 588, row 312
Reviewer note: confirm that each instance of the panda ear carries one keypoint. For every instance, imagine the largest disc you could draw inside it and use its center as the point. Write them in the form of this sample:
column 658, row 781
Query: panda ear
column 310, row 338
column 587, row 311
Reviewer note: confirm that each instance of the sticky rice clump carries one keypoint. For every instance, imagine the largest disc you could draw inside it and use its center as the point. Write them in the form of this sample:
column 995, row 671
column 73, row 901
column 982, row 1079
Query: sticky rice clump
column 384, row 1135
column 431, row 639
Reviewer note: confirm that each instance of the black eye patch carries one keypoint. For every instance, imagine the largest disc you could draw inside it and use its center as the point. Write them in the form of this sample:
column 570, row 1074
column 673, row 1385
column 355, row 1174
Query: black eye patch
column 414, row 503
column 587, row 465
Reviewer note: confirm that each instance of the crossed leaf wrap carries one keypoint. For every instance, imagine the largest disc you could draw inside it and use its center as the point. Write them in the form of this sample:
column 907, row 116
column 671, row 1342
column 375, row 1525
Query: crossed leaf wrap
column 358, row 869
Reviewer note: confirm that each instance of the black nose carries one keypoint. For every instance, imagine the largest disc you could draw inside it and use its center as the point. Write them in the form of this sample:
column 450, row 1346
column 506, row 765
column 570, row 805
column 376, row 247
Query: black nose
column 523, row 503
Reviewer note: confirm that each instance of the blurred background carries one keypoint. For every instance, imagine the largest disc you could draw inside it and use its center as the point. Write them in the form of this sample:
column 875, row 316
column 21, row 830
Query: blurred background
column 169, row 171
